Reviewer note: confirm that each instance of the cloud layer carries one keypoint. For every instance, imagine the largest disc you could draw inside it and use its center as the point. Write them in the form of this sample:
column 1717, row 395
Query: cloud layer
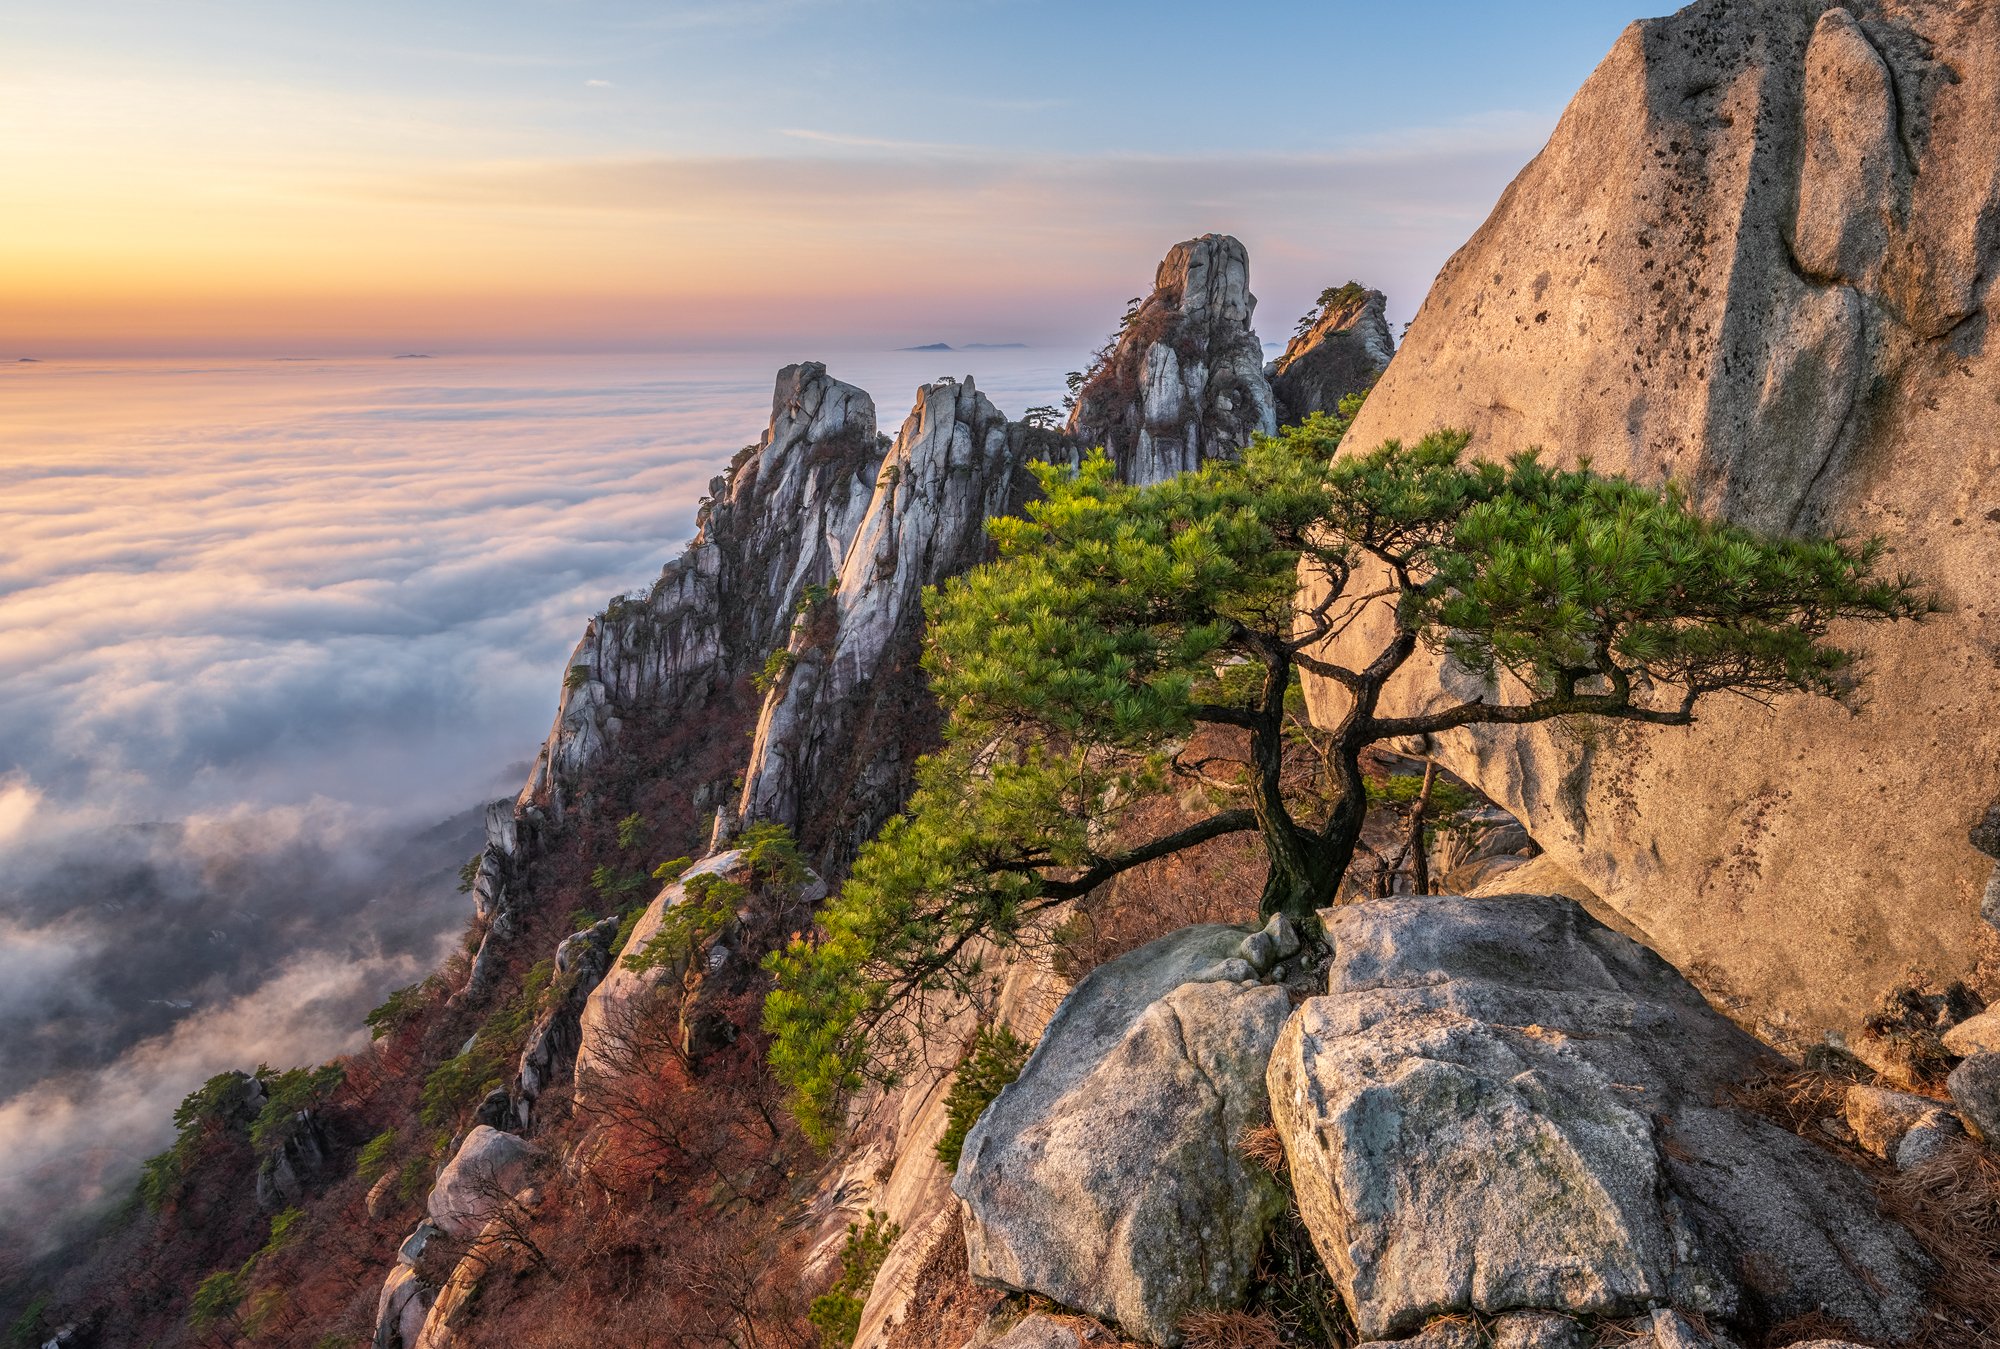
column 269, row 634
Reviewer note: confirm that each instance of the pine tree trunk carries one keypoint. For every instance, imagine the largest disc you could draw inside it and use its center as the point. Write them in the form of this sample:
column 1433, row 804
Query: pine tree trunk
column 1420, row 856
column 1307, row 867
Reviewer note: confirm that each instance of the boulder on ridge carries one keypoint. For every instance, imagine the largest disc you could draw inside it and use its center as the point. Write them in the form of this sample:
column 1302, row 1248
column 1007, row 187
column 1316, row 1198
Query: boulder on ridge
column 1107, row 1175
column 1502, row 1105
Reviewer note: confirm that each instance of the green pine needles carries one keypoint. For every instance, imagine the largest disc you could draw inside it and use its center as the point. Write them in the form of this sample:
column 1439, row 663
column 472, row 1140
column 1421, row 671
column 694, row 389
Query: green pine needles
column 1118, row 621
column 994, row 1059
column 836, row 1313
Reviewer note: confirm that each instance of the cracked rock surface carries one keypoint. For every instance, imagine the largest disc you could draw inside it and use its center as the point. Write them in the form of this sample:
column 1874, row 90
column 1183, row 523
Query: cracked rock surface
column 1501, row 1104
column 1107, row 1176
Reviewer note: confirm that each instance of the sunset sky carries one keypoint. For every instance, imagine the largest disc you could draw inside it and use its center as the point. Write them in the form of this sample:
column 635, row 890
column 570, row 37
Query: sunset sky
column 216, row 175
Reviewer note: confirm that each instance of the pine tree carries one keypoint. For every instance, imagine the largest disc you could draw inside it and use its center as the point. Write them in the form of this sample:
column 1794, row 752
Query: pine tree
column 1118, row 620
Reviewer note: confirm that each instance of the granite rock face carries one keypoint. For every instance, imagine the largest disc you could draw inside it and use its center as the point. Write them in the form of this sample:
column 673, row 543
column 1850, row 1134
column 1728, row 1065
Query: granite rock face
column 1502, row 1105
column 1107, row 1176
column 610, row 1029
column 848, row 714
column 1343, row 352
column 1756, row 257
column 549, row 1055
column 485, row 1172
column 780, row 520
column 297, row 1166
column 1183, row 380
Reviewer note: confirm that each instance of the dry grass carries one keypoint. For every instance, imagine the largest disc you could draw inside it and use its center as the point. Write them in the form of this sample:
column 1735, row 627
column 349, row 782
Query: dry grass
column 1263, row 1147
column 1952, row 1204
column 944, row 1307
column 1609, row 1334
column 1230, row 1330
column 1797, row 1098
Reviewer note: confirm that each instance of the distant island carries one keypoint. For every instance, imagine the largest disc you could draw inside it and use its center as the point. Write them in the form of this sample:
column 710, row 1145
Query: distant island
column 27, row 360
column 414, row 356
column 970, row 346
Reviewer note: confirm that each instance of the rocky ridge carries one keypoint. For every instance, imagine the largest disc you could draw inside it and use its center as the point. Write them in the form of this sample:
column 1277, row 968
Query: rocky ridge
column 812, row 553
column 808, row 572
column 845, row 715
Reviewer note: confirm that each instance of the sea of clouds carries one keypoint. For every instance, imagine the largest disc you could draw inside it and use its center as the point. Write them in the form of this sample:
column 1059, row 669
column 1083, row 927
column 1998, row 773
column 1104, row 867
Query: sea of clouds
column 271, row 632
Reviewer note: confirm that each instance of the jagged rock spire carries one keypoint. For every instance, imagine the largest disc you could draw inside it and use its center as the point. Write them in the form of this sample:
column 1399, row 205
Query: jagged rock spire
column 847, row 713
column 778, row 521
column 1183, row 379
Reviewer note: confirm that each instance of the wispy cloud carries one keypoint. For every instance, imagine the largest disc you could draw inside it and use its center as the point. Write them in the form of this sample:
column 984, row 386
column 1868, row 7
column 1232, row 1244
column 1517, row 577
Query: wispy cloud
column 958, row 223
column 597, row 84
column 875, row 142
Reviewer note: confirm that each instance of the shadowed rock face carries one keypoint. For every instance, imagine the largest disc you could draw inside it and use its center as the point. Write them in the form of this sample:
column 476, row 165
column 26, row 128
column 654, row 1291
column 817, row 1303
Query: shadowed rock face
column 847, row 717
column 1184, row 379
column 1756, row 257
column 1500, row 1104
column 1343, row 352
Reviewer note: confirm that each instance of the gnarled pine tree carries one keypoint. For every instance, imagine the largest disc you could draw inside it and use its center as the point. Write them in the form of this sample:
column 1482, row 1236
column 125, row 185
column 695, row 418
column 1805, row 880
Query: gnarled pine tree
column 1117, row 620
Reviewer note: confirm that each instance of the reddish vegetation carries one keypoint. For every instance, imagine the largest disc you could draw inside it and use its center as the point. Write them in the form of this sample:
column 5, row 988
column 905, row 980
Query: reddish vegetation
column 695, row 1161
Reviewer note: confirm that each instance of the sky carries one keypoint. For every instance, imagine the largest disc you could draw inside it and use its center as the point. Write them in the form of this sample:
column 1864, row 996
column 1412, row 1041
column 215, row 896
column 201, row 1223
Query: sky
column 242, row 175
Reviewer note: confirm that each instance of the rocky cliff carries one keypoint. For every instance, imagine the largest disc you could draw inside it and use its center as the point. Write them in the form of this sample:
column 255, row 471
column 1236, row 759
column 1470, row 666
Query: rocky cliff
column 1340, row 350
column 845, row 715
column 1183, row 378
column 681, row 655
column 1756, row 257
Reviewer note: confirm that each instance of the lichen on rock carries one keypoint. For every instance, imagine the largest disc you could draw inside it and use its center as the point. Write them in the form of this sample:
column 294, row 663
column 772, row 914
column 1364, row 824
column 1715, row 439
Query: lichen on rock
column 1500, row 1104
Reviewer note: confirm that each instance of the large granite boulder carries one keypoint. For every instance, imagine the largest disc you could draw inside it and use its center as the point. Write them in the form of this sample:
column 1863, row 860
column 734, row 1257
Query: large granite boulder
column 1107, row 1176
column 1756, row 257
column 1501, row 1105
column 1342, row 351
column 401, row 1309
column 1183, row 379
column 479, row 1181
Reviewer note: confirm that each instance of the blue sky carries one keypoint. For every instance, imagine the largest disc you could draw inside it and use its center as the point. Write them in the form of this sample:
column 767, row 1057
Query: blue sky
column 651, row 170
